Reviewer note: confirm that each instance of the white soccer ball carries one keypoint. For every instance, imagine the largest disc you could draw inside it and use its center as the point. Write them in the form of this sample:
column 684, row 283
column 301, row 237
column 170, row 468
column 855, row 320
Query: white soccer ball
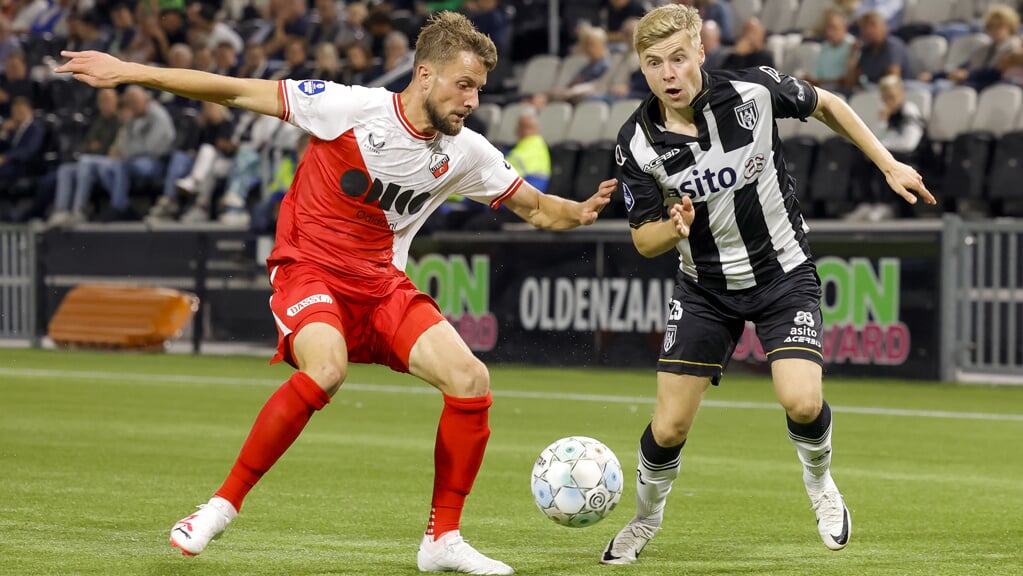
column 577, row 481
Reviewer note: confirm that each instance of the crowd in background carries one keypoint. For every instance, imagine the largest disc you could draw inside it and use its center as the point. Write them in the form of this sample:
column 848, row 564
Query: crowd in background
column 69, row 153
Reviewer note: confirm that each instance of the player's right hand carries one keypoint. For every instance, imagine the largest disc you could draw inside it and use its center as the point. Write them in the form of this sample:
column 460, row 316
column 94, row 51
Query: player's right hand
column 96, row 69
column 682, row 214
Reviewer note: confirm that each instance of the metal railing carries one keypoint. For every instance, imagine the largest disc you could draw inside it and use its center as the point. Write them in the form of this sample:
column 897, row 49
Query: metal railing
column 17, row 283
column 983, row 307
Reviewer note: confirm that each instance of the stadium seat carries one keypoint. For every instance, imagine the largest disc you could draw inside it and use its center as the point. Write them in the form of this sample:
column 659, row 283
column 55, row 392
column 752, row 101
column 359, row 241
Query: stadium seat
column 779, row 16
column 503, row 135
column 743, row 10
column 570, row 66
column 952, row 113
column 595, row 164
column 927, row 54
column 829, row 183
column 1006, row 167
column 868, row 106
column 931, row 12
column 490, row 114
column 962, row 48
column 922, row 99
column 810, row 15
column 966, row 10
column 588, row 122
column 554, row 119
column 539, row 74
column 620, row 112
column 800, row 153
column 564, row 156
column 998, row 108
column 966, row 165
column 801, row 58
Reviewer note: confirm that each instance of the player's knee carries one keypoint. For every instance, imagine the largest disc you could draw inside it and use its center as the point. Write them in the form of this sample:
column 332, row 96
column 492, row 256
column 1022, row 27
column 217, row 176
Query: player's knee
column 471, row 379
column 670, row 432
column 803, row 410
column 329, row 375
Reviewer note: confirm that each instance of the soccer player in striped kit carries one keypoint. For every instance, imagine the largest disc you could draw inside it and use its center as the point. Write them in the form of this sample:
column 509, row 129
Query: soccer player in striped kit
column 703, row 173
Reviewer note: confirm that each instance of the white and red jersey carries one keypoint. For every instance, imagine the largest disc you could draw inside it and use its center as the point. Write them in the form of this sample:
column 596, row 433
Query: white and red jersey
column 369, row 179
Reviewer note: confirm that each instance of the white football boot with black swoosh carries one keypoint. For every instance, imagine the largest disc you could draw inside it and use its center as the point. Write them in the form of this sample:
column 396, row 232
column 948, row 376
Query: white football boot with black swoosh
column 625, row 547
column 833, row 521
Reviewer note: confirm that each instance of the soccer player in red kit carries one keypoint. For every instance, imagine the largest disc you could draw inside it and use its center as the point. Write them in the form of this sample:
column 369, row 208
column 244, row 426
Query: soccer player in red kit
column 378, row 163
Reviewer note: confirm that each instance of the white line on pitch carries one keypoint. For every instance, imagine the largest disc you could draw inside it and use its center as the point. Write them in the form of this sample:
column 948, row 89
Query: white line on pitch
column 393, row 389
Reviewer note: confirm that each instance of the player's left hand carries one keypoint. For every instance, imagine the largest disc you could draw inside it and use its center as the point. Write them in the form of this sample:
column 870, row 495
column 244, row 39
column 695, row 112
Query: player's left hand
column 905, row 180
column 94, row 68
column 594, row 204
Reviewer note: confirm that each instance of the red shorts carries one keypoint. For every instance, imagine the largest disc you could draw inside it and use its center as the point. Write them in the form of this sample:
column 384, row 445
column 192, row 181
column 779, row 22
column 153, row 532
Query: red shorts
column 379, row 329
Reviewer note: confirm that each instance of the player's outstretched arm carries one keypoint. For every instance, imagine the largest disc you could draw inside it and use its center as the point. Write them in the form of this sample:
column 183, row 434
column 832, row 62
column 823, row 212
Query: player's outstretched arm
column 902, row 178
column 102, row 70
column 556, row 213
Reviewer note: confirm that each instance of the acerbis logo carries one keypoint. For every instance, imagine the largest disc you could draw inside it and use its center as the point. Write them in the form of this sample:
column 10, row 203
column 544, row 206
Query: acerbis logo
column 355, row 183
column 312, row 87
column 649, row 166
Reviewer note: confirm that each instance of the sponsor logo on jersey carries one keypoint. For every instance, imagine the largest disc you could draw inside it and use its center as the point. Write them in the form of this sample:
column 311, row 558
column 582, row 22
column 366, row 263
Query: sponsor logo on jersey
column 747, row 114
column 309, row 301
column 312, row 87
column 439, row 164
column 355, row 184
column 374, row 144
column 649, row 166
column 629, row 200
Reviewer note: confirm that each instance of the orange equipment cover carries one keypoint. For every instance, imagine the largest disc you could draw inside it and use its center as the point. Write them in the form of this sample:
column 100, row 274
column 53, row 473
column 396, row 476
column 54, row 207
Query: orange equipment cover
column 127, row 317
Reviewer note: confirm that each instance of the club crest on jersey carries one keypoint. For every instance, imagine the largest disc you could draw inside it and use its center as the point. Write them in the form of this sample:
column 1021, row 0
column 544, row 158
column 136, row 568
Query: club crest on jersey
column 439, row 164
column 312, row 87
column 747, row 114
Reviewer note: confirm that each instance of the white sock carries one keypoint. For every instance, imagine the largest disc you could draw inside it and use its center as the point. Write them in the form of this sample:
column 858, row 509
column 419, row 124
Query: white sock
column 653, row 483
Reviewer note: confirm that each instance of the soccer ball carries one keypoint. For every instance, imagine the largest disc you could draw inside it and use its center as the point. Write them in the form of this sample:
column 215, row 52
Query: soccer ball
column 577, row 481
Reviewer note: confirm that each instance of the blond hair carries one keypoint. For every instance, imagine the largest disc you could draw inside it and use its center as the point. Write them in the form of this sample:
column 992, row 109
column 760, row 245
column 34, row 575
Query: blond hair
column 1005, row 13
column 891, row 82
column 665, row 21
column 448, row 33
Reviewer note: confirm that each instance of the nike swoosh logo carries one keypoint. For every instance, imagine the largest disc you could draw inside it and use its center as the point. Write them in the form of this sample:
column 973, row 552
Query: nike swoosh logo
column 843, row 538
column 182, row 530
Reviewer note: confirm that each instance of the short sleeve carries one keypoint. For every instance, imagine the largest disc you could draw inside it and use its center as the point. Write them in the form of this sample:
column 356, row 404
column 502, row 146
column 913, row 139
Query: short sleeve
column 324, row 109
column 790, row 96
column 643, row 198
column 487, row 177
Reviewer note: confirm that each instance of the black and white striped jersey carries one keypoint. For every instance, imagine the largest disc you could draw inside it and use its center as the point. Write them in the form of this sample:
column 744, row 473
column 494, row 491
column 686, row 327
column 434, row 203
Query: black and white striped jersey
column 748, row 227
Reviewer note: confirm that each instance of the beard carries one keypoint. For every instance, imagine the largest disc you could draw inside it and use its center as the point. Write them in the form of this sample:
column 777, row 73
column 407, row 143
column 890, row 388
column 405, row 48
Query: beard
column 440, row 121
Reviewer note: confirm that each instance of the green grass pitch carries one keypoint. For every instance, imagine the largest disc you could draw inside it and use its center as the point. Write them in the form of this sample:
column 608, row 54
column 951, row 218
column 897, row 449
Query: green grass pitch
column 101, row 453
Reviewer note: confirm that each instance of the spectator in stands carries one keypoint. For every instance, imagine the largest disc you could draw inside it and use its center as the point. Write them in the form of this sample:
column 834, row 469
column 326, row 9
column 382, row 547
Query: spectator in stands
column 395, row 72
column 142, row 48
column 145, row 139
column 209, row 30
column 24, row 13
column 254, row 63
column 618, row 78
column 15, row 83
column 832, row 63
column 378, row 26
column 21, row 142
column 52, row 20
column 172, row 29
column 902, row 134
column 290, row 23
column 265, row 214
column 890, row 11
column 123, row 30
column 585, row 83
column 328, row 63
column 715, row 54
column 85, row 31
column 490, row 19
column 613, row 16
column 295, row 62
column 987, row 63
column 225, row 60
column 9, row 43
column 713, row 11
column 750, row 49
column 326, row 24
column 69, row 208
column 179, row 56
column 530, row 156
column 353, row 26
column 189, row 168
column 358, row 68
column 879, row 54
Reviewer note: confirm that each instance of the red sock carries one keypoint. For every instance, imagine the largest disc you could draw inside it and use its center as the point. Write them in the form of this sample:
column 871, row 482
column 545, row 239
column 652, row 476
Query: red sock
column 461, row 440
column 279, row 423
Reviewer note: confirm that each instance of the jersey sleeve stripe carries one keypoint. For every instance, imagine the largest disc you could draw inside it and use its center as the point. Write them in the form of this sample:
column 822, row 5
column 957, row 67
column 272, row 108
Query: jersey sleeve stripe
column 285, row 104
column 511, row 189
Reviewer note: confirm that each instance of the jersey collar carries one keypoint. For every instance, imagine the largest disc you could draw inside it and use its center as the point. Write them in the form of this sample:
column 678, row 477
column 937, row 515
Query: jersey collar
column 399, row 113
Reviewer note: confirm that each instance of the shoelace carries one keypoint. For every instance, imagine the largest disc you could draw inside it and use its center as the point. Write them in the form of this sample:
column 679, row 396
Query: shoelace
column 637, row 530
column 827, row 508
